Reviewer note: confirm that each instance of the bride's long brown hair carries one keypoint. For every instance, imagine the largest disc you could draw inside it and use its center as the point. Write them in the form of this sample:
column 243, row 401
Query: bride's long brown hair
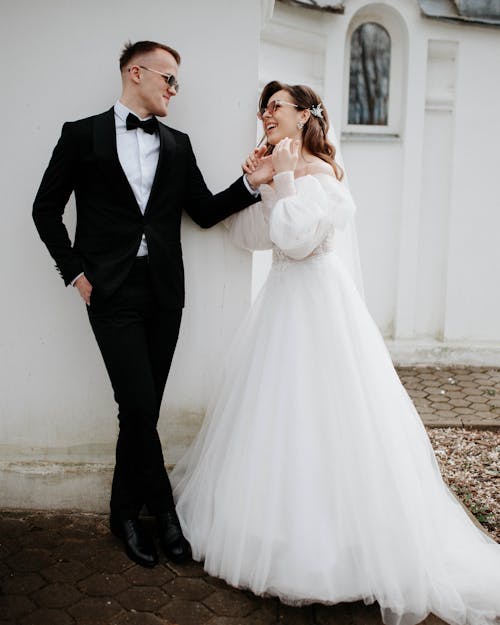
column 314, row 133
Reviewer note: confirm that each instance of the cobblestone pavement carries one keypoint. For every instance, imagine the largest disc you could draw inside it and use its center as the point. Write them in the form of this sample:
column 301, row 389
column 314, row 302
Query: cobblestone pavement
column 66, row 569
column 455, row 396
column 62, row 569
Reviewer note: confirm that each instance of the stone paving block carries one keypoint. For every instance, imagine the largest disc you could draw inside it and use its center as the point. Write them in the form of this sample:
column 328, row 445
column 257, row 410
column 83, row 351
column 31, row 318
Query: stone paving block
column 438, row 399
column 366, row 614
column 295, row 616
column 460, row 403
column 69, row 572
column 30, row 560
column 474, row 420
column 4, row 570
column 431, row 386
column 478, row 398
column 455, row 393
column 15, row 606
column 256, row 618
column 231, row 603
column 478, row 407
column 184, row 612
column 418, row 394
column 80, row 550
column 22, row 584
column 447, row 414
column 461, row 411
column 12, row 526
column 141, row 576
column 189, row 569
column 103, row 584
column 44, row 616
column 139, row 618
column 262, row 616
column 339, row 614
column 437, row 422
column 432, row 619
column 56, row 596
column 95, row 611
column 472, row 393
column 436, row 407
column 195, row 588
column 41, row 539
column 49, row 521
column 216, row 582
column 229, row 620
column 112, row 559
column 426, row 411
column 143, row 598
column 9, row 547
column 78, row 533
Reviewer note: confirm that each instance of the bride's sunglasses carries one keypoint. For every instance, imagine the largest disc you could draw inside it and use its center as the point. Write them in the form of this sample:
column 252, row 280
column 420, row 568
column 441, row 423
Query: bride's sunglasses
column 273, row 106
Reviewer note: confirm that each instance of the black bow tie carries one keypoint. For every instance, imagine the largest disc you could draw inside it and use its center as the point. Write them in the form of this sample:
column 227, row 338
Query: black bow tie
column 149, row 125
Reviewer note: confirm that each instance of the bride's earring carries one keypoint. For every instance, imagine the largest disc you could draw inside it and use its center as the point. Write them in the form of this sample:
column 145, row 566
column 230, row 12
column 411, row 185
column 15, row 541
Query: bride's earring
column 300, row 125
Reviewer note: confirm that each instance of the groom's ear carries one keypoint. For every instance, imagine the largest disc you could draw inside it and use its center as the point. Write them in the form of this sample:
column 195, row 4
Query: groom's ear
column 134, row 72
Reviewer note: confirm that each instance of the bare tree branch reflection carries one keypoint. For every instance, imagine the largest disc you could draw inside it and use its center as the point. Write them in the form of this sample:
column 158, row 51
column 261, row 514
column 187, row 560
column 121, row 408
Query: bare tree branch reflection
column 369, row 75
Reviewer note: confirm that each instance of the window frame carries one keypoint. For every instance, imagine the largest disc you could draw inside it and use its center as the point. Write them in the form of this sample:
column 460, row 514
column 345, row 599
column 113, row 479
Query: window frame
column 377, row 15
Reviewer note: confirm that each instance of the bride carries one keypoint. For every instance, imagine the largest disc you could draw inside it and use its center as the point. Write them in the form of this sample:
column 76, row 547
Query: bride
column 312, row 478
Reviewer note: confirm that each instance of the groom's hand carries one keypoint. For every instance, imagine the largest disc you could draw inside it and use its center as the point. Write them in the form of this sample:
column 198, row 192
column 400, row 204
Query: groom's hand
column 258, row 168
column 84, row 288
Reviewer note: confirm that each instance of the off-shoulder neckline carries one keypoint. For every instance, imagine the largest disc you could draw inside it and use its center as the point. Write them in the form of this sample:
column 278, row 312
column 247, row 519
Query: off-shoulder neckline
column 324, row 175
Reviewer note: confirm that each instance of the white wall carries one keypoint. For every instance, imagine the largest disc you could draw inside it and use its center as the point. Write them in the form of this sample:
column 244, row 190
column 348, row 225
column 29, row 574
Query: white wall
column 61, row 63
column 428, row 206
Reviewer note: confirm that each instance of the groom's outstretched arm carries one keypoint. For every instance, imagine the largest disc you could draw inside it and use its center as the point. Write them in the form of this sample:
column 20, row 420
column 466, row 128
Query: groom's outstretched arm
column 207, row 209
column 50, row 201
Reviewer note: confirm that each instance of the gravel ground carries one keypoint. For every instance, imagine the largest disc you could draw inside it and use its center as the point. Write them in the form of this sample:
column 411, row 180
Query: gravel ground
column 470, row 464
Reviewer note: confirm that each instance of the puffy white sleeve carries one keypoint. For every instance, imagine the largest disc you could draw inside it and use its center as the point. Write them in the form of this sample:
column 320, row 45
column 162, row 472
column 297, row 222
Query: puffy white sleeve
column 306, row 209
column 249, row 228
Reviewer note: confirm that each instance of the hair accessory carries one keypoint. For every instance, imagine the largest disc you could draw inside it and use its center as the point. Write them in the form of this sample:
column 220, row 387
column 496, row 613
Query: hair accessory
column 317, row 110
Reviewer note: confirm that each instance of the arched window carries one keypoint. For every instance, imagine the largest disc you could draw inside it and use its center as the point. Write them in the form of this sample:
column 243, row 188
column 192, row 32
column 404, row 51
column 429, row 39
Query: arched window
column 369, row 75
column 376, row 53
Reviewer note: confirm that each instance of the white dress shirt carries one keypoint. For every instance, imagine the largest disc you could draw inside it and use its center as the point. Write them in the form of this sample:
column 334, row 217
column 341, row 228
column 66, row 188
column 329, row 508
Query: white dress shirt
column 138, row 153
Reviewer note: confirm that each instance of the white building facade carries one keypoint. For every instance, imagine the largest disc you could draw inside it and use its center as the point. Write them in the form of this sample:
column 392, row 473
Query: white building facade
column 58, row 422
column 425, row 183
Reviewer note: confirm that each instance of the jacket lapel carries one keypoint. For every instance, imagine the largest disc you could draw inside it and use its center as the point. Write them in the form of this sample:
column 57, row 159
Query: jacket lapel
column 107, row 154
column 165, row 159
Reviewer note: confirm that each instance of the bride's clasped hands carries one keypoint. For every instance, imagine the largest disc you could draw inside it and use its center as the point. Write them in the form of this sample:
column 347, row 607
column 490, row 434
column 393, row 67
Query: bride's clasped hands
column 260, row 169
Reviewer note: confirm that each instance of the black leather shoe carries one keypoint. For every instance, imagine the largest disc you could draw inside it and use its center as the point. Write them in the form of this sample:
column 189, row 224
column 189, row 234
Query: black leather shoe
column 138, row 545
column 172, row 540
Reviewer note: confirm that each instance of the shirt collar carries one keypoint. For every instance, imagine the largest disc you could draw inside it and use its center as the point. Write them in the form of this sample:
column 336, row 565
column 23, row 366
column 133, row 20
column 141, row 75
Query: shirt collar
column 121, row 111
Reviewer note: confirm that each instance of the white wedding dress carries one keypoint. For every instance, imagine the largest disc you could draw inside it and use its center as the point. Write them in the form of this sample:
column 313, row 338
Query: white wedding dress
column 312, row 478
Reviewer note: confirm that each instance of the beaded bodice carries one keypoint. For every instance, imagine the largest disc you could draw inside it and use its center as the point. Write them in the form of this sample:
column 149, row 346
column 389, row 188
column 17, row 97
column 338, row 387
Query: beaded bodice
column 281, row 260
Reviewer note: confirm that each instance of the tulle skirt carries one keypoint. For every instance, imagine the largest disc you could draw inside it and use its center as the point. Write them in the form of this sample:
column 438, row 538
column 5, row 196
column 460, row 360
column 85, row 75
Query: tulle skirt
column 313, row 479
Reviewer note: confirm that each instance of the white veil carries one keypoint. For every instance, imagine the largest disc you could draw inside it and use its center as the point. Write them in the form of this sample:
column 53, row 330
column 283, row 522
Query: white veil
column 346, row 240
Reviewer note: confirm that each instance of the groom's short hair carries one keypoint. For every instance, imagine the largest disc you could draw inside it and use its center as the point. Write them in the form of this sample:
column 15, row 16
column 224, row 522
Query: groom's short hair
column 142, row 47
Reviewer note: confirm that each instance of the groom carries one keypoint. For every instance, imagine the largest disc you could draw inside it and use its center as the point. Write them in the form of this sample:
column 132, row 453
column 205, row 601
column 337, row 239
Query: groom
column 132, row 178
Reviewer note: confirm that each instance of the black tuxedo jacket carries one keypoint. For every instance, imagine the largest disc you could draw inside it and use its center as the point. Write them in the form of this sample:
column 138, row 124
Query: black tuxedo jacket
column 109, row 223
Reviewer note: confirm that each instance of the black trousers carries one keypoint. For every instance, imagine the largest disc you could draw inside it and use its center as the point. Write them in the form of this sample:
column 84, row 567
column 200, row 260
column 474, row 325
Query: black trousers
column 137, row 340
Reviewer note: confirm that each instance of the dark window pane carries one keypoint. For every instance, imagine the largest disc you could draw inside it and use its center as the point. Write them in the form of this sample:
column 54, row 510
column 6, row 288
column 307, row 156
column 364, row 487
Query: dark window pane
column 369, row 75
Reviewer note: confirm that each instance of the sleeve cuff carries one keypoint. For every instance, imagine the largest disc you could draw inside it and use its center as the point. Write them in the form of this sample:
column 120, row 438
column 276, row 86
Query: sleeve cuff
column 250, row 189
column 284, row 184
column 76, row 278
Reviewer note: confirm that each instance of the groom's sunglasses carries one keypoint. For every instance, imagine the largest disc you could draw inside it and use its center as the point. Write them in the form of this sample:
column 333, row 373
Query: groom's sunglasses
column 168, row 78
